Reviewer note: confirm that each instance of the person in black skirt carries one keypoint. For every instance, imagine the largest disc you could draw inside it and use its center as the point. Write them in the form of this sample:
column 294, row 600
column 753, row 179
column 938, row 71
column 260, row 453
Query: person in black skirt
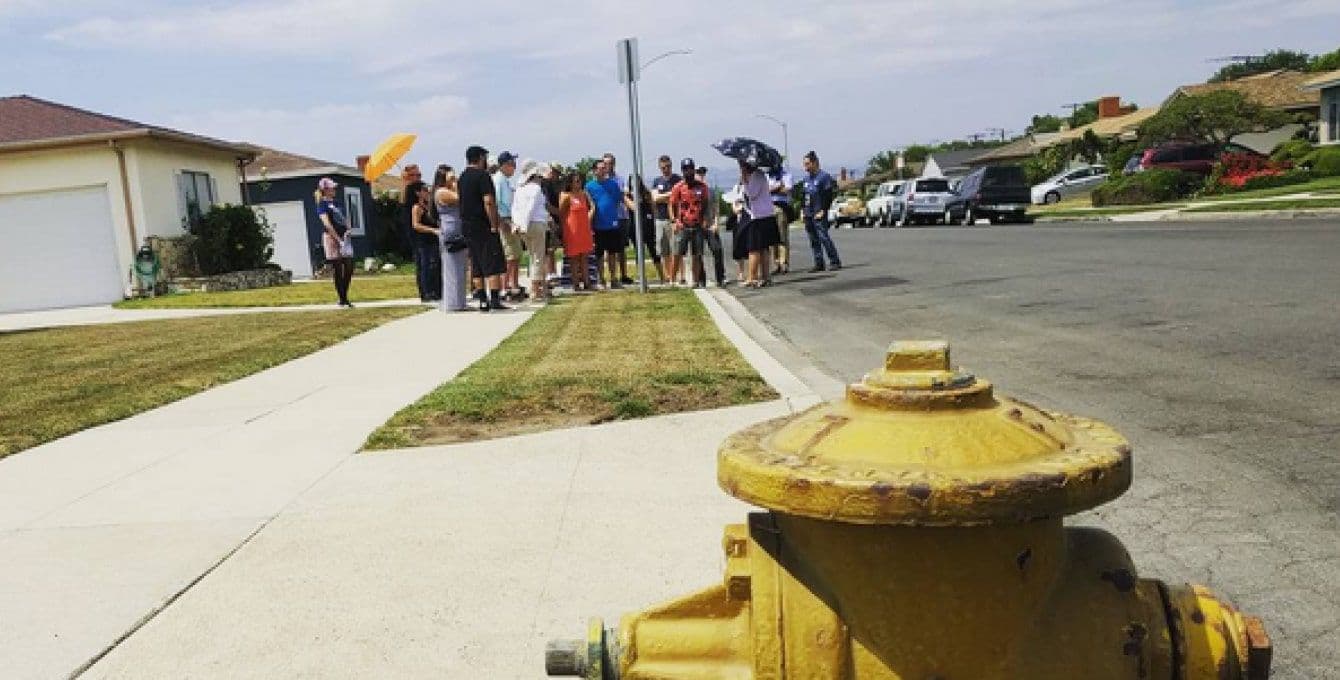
column 761, row 234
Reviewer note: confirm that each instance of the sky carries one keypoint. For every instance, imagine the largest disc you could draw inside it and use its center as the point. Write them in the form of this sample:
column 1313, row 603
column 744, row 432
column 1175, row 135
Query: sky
column 332, row 78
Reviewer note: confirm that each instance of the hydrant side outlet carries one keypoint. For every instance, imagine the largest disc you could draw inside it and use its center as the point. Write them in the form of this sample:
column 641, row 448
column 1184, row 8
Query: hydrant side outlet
column 914, row 531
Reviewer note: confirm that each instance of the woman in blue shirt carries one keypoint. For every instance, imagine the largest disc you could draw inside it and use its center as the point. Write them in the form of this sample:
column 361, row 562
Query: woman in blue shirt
column 335, row 237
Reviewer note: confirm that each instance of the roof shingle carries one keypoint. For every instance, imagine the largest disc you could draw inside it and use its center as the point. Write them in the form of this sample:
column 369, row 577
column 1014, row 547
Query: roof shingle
column 25, row 119
column 1281, row 89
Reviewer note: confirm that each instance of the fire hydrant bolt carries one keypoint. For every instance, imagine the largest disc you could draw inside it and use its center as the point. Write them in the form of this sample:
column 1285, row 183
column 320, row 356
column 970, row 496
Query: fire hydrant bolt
column 914, row 530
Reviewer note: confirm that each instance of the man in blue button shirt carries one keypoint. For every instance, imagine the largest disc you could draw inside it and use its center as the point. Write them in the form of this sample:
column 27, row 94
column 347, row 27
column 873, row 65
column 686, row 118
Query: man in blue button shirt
column 820, row 190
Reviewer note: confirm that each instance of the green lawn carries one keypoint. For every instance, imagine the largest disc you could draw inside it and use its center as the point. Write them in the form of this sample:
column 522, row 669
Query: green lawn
column 363, row 289
column 582, row 360
column 1324, row 185
column 58, row 381
column 1287, row 204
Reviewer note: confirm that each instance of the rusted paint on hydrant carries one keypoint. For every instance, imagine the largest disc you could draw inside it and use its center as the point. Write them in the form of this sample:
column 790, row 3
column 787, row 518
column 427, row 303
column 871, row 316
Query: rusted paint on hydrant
column 914, row 532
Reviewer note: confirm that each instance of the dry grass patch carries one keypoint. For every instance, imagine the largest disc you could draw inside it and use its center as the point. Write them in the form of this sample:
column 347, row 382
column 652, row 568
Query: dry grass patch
column 58, row 381
column 584, row 360
column 363, row 289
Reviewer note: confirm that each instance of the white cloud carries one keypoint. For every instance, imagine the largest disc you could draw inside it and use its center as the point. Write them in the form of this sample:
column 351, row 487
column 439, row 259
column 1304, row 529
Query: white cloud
column 852, row 76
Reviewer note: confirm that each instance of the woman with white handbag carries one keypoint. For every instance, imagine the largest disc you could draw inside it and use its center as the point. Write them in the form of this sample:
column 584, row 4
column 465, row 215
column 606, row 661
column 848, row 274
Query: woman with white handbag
column 335, row 238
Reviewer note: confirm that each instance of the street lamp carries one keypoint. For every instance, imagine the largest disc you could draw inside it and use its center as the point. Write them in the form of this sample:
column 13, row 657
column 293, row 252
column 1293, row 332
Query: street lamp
column 786, row 139
column 663, row 55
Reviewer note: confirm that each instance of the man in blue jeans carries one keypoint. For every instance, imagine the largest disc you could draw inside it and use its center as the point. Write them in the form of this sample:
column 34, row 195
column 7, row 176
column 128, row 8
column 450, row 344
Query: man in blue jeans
column 820, row 190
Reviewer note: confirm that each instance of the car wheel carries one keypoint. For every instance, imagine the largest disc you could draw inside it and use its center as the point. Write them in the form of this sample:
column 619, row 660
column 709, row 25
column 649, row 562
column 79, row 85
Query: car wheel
column 949, row 217
column 1051, row 198
column 994, row 220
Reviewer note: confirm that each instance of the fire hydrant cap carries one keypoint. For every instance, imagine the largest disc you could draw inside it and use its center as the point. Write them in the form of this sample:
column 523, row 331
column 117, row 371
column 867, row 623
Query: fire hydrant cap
column 919, row 443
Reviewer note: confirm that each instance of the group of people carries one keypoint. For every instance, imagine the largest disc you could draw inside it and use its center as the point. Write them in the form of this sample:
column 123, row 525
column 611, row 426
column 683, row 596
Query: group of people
column 470, row 231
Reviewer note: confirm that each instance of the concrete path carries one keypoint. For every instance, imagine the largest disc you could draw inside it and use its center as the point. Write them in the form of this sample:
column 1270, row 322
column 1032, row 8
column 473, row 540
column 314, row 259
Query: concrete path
column 100, row 530
column 462, row 561
column 86, row 316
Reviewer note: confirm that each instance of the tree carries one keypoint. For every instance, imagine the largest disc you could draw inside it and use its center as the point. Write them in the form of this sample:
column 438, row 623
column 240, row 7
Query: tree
column 1270, row 61
column 884, row 161
column 916, row 153
column 1213, row 117
column 1045, row 123
column 1325, row 62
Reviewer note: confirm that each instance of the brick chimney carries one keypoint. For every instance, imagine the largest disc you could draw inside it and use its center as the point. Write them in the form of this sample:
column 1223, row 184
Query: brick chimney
column 362, row 162
column 1109, row 107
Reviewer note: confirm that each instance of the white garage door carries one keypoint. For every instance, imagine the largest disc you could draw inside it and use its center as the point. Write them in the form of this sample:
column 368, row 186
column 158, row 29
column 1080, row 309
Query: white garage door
column 292, row 250
column 59, row 250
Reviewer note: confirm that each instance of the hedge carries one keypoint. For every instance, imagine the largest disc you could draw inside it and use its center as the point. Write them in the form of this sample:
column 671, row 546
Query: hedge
column 1151, row 186
column 1325, row 161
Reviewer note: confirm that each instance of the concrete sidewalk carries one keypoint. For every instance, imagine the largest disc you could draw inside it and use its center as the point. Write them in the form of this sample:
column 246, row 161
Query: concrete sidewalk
column 88, row 316
column 100, row 530
column 462, row 561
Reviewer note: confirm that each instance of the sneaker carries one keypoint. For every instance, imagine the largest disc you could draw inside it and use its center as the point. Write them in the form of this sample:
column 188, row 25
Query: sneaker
column 818, row 268
column 837, row 266
column 498, row 305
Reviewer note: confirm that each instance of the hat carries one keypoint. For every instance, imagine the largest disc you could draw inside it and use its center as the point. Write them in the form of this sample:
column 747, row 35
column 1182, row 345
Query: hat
column 326, row 183
column 686, row 163
column 532, row 168
column 506, row 157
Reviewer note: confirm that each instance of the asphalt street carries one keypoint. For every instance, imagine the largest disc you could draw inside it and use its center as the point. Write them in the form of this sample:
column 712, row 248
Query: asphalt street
column 1211, row 346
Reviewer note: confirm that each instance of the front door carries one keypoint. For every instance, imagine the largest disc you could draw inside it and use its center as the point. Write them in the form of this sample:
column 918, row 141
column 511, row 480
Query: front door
column 293, row 250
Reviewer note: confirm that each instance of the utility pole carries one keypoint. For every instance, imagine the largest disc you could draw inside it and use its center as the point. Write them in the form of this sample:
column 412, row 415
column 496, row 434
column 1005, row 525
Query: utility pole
column 1001, row 131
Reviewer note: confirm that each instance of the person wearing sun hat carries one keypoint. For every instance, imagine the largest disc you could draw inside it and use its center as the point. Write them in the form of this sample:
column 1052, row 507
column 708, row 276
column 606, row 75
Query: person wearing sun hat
column 530, row 219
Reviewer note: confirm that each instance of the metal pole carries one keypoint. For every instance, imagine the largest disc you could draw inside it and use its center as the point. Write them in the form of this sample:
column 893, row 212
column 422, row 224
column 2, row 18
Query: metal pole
column 635, row 135
column 786, row 144
column 638, row 225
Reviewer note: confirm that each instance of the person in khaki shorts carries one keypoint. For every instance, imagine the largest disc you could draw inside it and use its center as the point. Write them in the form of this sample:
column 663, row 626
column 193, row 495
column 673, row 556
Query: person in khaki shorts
column 665, row 231
column 511, row 240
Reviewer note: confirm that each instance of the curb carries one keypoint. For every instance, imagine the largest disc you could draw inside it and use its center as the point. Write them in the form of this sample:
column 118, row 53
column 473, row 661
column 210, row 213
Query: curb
column 771, row 356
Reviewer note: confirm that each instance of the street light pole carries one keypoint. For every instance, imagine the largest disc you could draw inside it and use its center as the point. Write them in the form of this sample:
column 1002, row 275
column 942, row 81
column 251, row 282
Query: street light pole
column 786, row 138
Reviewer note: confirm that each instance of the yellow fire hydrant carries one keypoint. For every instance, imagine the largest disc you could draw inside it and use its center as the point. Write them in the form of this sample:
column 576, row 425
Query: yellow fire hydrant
column 915, row 533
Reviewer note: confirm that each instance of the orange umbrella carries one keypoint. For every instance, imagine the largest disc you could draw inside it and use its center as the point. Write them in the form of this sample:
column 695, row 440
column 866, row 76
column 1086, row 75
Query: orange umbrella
column 388, row 153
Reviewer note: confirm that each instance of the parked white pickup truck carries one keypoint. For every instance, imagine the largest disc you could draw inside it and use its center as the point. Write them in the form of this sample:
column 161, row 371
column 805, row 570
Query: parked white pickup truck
column 879, row 210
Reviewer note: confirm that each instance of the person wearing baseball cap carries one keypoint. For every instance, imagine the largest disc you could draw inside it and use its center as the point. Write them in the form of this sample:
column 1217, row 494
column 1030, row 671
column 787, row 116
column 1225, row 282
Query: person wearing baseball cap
column 339, row 250
column 688, row 209
column 504, row 182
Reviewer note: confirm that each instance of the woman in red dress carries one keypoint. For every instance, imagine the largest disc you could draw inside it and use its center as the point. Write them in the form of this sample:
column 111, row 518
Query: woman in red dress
column 576, row 210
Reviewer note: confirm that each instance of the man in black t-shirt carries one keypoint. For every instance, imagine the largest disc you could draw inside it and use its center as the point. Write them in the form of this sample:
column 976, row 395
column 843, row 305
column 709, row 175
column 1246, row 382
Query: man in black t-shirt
column 480, row 225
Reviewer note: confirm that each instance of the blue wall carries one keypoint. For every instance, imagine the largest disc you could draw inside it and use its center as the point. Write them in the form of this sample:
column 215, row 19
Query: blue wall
column 303, row 189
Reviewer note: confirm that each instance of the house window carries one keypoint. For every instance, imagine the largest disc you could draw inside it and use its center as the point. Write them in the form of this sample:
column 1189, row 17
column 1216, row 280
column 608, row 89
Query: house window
column 195, row 191
column 353, row 209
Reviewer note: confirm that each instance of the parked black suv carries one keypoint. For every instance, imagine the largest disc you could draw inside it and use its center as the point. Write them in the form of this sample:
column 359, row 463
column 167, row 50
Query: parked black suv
column 1000, row 193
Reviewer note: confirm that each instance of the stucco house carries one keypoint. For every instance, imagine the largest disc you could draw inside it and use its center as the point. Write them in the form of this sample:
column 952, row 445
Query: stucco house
column 1328, row 84
column 283, row 185
column 79, row 192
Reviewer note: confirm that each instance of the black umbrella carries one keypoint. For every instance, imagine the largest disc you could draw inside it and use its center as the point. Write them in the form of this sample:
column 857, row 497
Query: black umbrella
column 751, row 151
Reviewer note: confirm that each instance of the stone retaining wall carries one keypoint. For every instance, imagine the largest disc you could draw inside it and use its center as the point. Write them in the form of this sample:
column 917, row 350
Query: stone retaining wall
column 255, row 278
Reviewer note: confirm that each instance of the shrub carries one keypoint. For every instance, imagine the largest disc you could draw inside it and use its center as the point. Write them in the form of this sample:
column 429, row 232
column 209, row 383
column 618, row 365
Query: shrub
column 231, row 238
column 1325, row 161
column 1271, row 181
column 1291, row 151
column 1151, row 186
column 391, row 244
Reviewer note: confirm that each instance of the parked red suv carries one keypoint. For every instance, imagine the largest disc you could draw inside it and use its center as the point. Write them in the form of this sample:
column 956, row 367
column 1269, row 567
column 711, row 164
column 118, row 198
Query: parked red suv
column 1197, row 158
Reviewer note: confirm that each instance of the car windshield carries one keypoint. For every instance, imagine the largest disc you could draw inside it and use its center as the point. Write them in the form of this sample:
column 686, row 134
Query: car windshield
column 1003, row 176
column 940, row 185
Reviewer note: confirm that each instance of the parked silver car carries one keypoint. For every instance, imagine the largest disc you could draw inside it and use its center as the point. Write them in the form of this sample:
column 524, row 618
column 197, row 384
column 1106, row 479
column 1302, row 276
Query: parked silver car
column 922, row 201
column 1072, row 182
